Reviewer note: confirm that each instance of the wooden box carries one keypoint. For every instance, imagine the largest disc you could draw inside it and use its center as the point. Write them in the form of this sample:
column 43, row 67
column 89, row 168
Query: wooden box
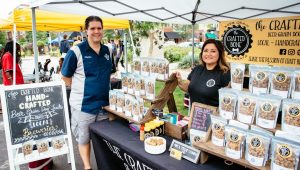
column 175, row 131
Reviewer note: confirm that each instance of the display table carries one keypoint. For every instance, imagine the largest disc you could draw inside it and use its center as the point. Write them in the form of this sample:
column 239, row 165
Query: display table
column 116, row 146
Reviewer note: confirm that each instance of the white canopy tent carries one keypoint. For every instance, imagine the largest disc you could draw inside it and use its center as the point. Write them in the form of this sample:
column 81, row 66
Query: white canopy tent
column 175, row 11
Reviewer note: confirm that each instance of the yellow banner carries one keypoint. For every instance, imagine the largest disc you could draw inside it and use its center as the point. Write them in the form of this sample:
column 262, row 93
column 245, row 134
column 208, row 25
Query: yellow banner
column 270, row 41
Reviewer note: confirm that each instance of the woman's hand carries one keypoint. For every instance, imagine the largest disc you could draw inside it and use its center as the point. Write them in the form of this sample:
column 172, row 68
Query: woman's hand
column 178, row 76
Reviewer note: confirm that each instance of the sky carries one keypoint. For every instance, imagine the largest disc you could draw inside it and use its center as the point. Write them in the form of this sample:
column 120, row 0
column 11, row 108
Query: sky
column 8, row 5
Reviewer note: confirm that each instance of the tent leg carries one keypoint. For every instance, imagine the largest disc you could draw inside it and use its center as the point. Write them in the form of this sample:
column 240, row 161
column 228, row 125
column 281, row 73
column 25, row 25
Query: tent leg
column 193, row 46
column 35, row 50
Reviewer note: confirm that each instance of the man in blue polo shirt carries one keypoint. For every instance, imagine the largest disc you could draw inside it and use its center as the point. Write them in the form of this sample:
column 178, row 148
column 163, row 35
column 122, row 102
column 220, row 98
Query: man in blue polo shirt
column 87, row 68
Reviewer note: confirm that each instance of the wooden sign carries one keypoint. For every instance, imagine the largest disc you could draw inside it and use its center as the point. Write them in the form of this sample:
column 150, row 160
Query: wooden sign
column 189, row 153
column 35, row 112
column 200, row 122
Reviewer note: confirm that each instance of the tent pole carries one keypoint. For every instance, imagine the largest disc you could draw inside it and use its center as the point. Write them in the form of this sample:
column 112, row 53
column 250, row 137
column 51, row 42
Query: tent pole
column 133, row 46
column 193, row 46
column 14, row 54
column 35, row 50
column 125, row 52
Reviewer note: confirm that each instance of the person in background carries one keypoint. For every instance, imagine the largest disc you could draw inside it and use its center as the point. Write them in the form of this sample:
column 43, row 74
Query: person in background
column 207, row 78
column 87, row 69
column 60, row 63
column 77, row 41
column 7, row 64
column 120, row 54
column 64, row 46
column 114, row 51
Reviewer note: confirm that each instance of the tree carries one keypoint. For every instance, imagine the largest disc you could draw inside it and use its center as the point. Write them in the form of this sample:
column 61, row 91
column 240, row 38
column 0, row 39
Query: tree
column 2, row 39
column 147, row 30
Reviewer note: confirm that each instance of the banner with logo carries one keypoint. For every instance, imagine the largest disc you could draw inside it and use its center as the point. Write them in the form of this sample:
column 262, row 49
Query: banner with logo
column 269, row 41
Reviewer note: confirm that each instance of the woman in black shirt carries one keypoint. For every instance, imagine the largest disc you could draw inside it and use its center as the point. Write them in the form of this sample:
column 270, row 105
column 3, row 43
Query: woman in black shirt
column 207, row 78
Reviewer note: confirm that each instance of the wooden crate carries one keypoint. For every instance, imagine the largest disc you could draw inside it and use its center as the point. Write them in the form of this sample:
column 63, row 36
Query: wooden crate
column 175, row 131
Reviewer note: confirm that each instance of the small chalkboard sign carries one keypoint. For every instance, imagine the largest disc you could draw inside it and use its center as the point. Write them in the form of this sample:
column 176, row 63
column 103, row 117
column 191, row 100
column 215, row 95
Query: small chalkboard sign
column 200, row 122
column 33, row 112
column 189, row 153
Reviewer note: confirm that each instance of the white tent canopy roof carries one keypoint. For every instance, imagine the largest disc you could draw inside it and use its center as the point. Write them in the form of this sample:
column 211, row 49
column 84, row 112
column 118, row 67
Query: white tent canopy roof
column 175, row 11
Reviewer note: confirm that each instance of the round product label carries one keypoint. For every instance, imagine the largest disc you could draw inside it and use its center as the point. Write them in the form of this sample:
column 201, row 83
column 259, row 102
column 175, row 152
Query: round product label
column 255, row 142
column 234, row 137
column 237, row 72
column 246, row 102
column 217, row 127
column 294, row 111
column 197, row 139
column 226, row 100
column 284, row 151
column 267, row 107
column 280, row 77
column 260, row 76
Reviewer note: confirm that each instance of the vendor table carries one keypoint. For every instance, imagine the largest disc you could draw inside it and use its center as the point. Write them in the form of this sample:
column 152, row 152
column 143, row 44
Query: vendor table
column 117, row 147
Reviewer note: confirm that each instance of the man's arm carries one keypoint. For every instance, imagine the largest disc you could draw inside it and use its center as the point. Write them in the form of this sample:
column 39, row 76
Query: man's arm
column 67, row 80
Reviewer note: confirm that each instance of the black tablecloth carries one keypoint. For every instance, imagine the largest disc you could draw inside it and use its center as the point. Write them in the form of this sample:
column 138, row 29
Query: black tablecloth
column 117, row 147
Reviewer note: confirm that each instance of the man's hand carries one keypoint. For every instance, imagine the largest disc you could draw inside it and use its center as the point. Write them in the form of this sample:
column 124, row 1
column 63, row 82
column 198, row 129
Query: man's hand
column 67, row 80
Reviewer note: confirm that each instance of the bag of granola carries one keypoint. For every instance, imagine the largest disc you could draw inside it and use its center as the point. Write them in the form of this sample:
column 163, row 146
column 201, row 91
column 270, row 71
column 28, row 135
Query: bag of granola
column 112, row 99
column 163, row 65
column 237, row 75
column 153, row 62
column 143, row 85
column 285, row 154
column 120, row 101
column 145, row 66
column 257, row 148
column 136, row 110
column 137, row 84
column 281, row 82
column 290, row 120
column 218, row 130
column 128, row 105
column 259, row 79
column 136, row 66
column 130, row 82
column 228, row 101
column 124, row 80
column 267, row 110
column 150, row 88
column 246, row 107
column 234, row 141
column 296, row 85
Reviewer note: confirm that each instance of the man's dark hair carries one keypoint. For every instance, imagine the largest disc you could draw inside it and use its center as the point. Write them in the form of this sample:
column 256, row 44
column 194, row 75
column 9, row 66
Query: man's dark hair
column 9, row 47
column 65, row 36
column 90, row 19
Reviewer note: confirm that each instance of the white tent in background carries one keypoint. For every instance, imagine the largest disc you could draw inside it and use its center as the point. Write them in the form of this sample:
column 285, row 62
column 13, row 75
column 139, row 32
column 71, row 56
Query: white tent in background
column 175, row 11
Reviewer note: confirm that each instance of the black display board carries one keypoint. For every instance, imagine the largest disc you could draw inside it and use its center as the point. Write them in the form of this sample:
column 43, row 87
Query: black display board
column 35, row 113
column 200, row 117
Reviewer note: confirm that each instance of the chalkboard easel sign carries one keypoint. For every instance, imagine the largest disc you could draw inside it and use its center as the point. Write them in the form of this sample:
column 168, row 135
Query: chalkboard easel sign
column 35, row 112
column 200, row 122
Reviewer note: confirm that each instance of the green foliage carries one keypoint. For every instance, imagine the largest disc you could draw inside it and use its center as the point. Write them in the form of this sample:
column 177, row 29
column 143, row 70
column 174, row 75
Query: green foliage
column 2, row 39
column 186, row 62
column 175, row 53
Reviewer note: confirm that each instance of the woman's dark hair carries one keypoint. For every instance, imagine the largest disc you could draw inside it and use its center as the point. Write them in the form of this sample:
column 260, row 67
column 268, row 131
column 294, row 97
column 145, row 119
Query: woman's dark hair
column 9, row 47
column 90, row 19
column 222, row 64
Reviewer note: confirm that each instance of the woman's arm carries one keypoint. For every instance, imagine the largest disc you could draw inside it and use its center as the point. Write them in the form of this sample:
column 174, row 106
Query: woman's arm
column 183, row 85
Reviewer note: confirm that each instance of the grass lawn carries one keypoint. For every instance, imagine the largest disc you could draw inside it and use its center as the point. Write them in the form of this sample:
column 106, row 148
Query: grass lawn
column 178, row 96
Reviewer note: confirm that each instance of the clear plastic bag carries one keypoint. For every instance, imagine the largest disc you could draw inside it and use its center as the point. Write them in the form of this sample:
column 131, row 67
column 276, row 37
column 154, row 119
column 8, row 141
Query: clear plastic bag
column 218, row 130
column 246, row 107
column 237, row 75
column 291, row 116
column 228, row 101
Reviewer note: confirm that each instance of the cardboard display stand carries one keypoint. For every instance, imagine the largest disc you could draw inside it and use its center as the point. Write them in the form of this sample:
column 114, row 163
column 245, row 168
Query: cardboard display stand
column 36, row 116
